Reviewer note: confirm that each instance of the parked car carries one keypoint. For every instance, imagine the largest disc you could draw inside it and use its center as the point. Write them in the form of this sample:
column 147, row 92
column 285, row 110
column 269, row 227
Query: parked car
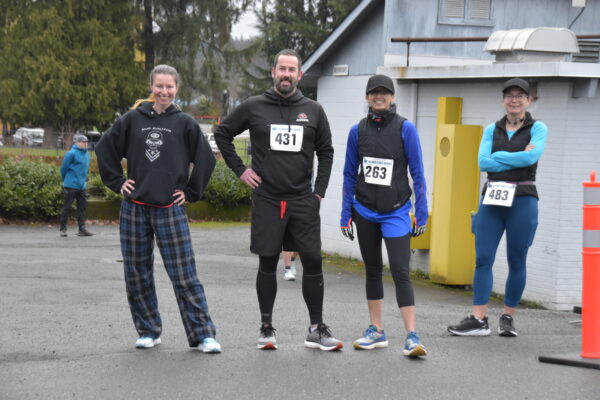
column 93, row 138
column 211, row 141
column 29, row 137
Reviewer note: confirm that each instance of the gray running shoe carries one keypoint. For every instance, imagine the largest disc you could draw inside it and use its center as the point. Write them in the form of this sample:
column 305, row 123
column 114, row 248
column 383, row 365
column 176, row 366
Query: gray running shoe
column 63, row 232
column 266, row 339
column 321, row 338
column 506, row 327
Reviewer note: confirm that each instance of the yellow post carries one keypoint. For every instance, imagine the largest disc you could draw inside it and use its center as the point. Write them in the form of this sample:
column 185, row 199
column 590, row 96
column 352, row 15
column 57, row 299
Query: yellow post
column 455, row 196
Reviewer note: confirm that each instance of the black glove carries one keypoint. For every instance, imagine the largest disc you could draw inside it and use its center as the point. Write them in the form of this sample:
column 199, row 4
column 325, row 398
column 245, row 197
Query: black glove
column 418, row 230
column 348, row 231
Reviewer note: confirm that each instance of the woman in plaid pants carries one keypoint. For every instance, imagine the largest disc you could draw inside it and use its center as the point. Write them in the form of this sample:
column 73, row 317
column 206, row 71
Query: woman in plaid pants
column 160, row 143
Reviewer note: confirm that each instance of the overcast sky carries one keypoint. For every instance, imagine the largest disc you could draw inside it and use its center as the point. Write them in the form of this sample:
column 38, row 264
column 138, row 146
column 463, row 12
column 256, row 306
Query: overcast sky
column 245, row 27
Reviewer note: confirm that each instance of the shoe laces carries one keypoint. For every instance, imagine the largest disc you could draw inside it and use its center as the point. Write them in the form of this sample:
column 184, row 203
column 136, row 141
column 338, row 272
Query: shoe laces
column 323, row 330
column 370, row 331
column 267, row 330
column 413, row 337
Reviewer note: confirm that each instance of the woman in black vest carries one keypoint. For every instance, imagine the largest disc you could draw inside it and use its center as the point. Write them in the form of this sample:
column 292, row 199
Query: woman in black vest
column 380, row 151
column 509, row 153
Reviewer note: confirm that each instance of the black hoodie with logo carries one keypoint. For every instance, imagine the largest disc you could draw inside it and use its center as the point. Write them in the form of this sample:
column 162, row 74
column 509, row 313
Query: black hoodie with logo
column 286, row 175
column 159, row 149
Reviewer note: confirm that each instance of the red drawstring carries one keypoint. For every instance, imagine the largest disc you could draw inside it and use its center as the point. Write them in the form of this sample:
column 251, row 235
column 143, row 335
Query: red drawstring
column 151, row 205
column 283, row 205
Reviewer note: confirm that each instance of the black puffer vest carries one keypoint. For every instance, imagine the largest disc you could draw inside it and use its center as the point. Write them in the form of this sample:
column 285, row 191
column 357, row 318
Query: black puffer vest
column 520, row 139
column 380, row 136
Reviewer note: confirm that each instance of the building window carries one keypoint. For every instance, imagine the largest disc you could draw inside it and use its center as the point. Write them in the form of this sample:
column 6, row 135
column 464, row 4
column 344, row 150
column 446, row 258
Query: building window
column 465, row 12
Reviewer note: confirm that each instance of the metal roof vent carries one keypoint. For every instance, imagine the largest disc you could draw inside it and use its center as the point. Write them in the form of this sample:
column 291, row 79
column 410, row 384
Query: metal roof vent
column 532, row 45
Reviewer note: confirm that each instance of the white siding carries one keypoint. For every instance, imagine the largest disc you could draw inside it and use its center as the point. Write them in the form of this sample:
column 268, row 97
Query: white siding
column 554, row 261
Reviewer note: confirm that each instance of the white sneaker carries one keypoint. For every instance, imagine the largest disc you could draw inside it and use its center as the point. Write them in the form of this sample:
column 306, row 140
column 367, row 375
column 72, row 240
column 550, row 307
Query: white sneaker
column 146, row 342
column 209, row 345
column 289, row 274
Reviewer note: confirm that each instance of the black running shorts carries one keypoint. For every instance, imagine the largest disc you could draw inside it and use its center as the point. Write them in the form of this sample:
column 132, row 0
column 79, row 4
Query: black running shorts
column 290, row 225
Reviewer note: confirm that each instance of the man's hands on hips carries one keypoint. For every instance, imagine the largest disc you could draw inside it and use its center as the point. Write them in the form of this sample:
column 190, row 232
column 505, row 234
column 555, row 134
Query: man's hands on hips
column 250, row 178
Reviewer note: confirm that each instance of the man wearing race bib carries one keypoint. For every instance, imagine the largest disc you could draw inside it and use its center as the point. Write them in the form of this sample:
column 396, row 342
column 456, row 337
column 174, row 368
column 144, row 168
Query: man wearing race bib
column 509, row 153
column 376, row 196
column 286, row 131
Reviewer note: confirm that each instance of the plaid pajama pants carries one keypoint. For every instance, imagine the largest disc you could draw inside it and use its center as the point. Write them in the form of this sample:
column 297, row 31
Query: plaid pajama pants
column 139, row 226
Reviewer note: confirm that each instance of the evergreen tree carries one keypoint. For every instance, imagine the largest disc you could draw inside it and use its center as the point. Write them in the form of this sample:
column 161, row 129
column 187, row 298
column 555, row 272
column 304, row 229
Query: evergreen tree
column 67, row 64
column 194, row 37
column 296, row 24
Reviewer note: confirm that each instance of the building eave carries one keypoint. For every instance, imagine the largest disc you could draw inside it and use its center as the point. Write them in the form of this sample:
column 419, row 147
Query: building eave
column 495, row 70
column 351, row 21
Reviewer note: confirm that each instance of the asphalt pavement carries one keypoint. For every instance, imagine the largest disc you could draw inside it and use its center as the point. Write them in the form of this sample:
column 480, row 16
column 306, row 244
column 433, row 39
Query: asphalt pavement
column 66, row 333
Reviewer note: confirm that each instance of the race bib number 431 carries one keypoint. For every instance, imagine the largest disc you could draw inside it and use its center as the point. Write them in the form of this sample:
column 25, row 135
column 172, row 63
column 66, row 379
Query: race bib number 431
column 499, row 194
column 286, row 137
column 378, row 171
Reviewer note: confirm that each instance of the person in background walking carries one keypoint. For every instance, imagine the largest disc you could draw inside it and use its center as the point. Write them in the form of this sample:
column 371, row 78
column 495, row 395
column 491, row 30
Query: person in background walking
column 509, row 152
column 160, row 144
column 74, row 170
column 289, row 265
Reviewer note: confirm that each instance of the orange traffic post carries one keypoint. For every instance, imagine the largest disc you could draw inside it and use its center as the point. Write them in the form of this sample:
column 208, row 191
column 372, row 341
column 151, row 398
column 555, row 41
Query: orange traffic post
column 590, row 295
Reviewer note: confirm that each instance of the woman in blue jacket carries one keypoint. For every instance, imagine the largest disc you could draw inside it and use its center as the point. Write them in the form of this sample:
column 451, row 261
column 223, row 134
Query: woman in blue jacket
column 381, row 149
column 509, row 152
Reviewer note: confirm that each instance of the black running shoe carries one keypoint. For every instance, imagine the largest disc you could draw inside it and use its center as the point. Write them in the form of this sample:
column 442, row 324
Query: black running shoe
column 266, row 339
column 471, row 326
column 506, row 327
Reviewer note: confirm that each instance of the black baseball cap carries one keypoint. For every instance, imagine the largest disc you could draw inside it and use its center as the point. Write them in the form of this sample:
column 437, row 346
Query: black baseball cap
column 380, row 81
column 516, row 82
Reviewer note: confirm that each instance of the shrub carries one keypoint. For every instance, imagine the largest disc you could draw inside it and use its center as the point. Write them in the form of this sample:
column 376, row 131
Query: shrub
column 30, row 189
column 96, row 187
column 225, row 189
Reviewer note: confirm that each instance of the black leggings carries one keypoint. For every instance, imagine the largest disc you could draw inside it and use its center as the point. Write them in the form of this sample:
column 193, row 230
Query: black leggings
column 312, row 285
column 398, row 248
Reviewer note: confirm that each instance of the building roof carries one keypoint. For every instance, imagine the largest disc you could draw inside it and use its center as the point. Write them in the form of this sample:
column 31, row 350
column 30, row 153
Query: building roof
column 357, row 15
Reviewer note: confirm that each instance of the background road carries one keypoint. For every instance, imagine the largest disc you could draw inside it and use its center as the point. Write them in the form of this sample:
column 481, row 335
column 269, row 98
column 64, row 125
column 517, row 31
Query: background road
column 66, row 333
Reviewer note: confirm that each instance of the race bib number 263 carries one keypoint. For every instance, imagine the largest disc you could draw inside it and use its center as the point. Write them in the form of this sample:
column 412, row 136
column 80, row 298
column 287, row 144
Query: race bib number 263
column 378, row 171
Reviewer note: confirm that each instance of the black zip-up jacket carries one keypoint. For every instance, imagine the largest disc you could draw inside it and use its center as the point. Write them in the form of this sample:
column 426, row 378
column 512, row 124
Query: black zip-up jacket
column 285, row 175
column 159, row 149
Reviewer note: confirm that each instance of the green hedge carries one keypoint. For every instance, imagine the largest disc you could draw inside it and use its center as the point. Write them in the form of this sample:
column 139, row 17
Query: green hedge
column 225, row 190
column 30, row 189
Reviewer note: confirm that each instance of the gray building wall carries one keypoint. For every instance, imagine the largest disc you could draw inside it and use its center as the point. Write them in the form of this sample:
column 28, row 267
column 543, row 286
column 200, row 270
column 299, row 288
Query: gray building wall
column 418, row 19
column 362, row 50
column 554, row 262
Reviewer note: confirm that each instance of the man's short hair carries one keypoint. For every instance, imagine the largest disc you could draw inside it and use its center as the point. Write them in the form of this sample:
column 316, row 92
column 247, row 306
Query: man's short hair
column 288, row 52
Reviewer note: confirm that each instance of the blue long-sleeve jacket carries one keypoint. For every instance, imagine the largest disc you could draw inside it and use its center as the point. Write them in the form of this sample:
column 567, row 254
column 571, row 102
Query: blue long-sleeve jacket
column 413, row 154
column 74, row 168
column 503, row 160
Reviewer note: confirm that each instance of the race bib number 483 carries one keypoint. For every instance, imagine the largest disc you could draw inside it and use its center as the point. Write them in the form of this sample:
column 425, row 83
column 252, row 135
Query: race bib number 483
column 286, row 137
column 499, row 194
column 378, row 171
